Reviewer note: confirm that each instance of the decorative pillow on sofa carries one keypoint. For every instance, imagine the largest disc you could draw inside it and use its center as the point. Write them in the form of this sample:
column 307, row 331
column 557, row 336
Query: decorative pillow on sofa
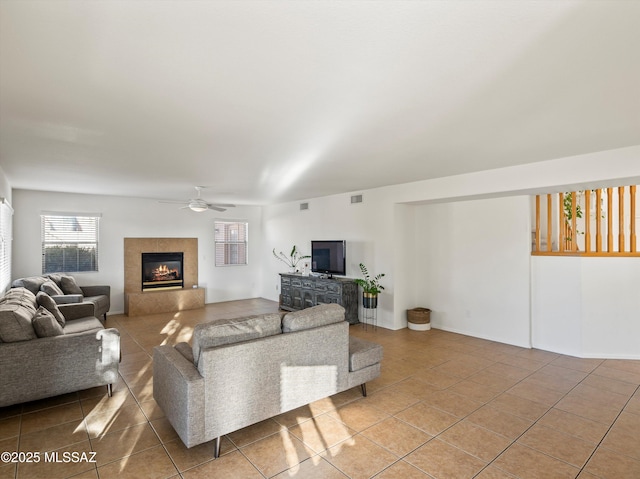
column 50, row 305
column 69, row 285
column 228, row 331
column 314, row 317
column 51, row 288
column 17, row 307
column 45, row 325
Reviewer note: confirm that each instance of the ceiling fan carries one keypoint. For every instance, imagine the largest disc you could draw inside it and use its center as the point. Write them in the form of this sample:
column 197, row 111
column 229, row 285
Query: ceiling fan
column 199, row 205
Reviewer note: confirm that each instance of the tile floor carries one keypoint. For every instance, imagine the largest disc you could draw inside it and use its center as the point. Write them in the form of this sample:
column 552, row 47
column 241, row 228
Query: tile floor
column 445, row 406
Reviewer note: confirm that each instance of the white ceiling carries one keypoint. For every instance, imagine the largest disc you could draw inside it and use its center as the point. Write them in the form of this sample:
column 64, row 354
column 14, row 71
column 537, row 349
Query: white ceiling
column 270, row 101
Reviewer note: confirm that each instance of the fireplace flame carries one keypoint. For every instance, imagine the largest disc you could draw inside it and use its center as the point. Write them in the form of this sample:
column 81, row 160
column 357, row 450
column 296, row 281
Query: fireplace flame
column 163, row 273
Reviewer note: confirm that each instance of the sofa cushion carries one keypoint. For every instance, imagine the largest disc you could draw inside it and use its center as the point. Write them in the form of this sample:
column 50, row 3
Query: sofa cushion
column 50, row 305
column 31, row 283
column 81, row 325
column 45, row 325
column 69, row 286
column 314, row 317
column 363, row 353
column 17, row 308
column 51, row 288
column 228, row 331
column 185, row 350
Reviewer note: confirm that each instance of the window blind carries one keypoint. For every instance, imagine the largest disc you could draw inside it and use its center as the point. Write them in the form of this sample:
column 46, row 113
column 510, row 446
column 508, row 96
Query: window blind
column 231, row 240
column 69, row 242
column 6, row 239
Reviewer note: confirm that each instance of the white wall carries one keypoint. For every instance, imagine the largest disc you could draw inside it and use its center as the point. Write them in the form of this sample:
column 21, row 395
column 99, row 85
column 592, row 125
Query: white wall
column 367, row 227
column 132, row 217
column 474, row 258
column 5, row 187
column 586, row 307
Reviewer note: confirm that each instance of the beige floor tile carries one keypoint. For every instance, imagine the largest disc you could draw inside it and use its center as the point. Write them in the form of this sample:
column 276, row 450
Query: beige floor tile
column 49, row 402
column 312, row 468
column 565, row 373
column 586, row 365
column 624, row 436
column 600, row 396
column 164, row 430
column 632, row 377
column 390, row 400
column 361, row 458
column 297, row 416
column 453, row 403
column 414, row 388
column 586, row 429
column 114, row 420
column 478, row 392
column 396, row 436
column 442, row 460
column 548, row 381
column 608, row 464
column 437, row 379
column 114, row 446
column 535, row 392
column 152, row 463
column 429, row 419
column 402, row 470
column 528, row 364
column 322, row 432
column 587, row 409
column 10, row 427
column 493, row 380
column 610, row 384
column 276, row 453
column 633, row 406
column 104, row 404
column 506, row 370
column 54, row 437
column 570, row 449
column 230, row 466
column 46, row 418
column 254, row 433
column 492, row 472
column 10, row 411
column 500, row 422
column 527, row 463
column 359, row 415
column 475, row 440
column 151, row 410
column 519, row 406
column 185, row 459
column 462, row 368
column 61, row 463
column 8, row 471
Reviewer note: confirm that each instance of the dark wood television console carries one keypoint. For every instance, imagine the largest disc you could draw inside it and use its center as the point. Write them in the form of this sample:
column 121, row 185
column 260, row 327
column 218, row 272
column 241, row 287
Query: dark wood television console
column 300, row 292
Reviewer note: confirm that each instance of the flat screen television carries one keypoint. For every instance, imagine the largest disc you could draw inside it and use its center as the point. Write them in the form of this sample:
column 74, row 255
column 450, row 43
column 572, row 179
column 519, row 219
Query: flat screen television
column 328, row 257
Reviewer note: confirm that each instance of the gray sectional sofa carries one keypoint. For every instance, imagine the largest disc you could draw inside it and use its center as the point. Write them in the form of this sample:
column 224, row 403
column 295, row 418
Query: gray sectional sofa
column 89, row 300
column 241, row 371
column 47, row 350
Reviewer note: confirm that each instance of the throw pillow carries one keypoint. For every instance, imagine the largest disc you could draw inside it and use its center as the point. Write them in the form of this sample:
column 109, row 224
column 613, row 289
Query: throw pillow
column 69, row 285
column 314, row 317
column 51, row 288
column 50, row 305
column 45, row 324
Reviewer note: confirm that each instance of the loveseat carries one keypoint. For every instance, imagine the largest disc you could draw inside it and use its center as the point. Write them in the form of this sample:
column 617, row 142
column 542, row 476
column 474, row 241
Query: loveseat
column 46, row 352
column 241, row 371
column 89, row 300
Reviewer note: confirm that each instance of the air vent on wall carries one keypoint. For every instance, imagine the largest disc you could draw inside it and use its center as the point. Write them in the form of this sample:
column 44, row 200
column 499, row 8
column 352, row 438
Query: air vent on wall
column 356, row 199
column 304, row 206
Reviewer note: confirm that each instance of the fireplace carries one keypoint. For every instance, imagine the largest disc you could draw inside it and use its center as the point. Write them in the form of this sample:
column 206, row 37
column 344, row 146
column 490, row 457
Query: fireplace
column 162, row 271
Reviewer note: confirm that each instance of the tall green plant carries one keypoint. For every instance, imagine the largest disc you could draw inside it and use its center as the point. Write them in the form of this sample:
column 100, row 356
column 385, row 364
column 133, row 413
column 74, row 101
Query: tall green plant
column 370, row 285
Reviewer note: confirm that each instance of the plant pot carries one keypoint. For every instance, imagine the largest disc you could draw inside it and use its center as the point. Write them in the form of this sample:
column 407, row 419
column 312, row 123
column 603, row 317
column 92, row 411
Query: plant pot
column 369, row 300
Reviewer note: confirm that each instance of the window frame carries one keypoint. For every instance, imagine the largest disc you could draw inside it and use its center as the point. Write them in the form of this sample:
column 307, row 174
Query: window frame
column 68, row 239
column 228, row 244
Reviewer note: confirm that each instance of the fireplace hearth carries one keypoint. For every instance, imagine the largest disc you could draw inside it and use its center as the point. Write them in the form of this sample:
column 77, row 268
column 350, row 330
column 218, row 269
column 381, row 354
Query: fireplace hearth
column 162, row 271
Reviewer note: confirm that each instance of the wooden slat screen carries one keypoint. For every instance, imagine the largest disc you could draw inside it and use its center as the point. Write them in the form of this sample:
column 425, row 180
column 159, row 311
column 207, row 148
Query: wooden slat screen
column 600, row 222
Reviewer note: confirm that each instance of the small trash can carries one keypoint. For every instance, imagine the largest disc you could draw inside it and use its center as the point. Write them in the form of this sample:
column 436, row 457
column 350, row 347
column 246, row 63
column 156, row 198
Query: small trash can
column 419, row 319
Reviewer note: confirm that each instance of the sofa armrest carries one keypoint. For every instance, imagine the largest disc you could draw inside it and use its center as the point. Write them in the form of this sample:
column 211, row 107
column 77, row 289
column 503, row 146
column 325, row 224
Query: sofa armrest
column 97, row 290
column 179, row 390
column 67, row 298
column 73, row 311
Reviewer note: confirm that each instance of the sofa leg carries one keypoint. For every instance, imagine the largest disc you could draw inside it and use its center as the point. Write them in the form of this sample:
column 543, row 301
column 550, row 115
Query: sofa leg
column 110, row 390
column 363, row 386
column 105, row 317
column 216, row 452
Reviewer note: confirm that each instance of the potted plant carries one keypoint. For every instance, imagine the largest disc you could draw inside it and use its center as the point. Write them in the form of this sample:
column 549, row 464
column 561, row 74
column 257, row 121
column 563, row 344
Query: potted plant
column 292, row 260
column 371, row 287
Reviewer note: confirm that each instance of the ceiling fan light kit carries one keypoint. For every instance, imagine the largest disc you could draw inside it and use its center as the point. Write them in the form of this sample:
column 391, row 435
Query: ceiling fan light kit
column 199, row 205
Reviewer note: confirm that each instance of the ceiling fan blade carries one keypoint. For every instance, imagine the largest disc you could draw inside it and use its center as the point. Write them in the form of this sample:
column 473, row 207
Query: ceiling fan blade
column 223, row 205
column 217, row 208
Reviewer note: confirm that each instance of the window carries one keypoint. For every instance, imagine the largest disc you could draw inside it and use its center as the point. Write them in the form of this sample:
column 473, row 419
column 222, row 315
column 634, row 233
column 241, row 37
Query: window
column 231, row 242
column 6, row 214
column 69, row 242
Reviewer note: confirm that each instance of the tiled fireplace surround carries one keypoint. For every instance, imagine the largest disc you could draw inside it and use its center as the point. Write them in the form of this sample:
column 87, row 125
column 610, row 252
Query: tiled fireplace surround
column 137, row 302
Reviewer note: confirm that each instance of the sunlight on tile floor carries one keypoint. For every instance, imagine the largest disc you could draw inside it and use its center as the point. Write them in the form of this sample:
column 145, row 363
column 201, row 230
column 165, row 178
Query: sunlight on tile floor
column 445, row 406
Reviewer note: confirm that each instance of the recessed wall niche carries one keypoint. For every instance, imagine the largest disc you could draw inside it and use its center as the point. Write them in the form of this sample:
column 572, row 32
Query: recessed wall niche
column 137, row 302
